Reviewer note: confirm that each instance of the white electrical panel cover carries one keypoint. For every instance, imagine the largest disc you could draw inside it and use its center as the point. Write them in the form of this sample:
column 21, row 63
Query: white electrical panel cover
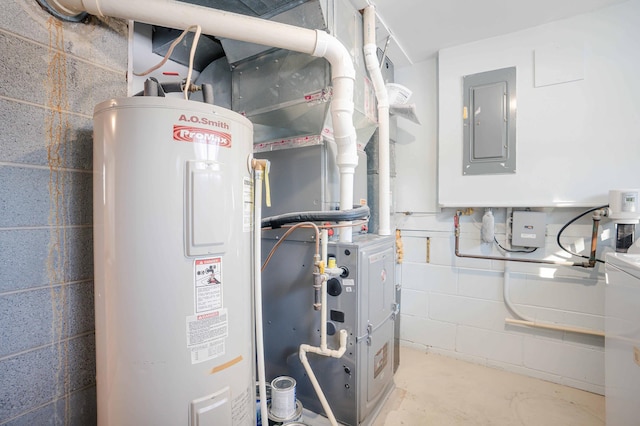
column 576, row 140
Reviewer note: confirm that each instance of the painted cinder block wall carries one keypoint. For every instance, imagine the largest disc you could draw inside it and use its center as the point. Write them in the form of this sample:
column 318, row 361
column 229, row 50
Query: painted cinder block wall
column 456, row 306
column 51, row 76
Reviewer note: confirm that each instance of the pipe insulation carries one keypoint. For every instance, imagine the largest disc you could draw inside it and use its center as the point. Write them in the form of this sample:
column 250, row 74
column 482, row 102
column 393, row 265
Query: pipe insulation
column 371, row 61
column 359, row 212
column 179, row 15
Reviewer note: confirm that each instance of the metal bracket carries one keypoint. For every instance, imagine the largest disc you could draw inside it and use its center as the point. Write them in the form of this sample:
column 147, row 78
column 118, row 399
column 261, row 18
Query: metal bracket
column 396, row 310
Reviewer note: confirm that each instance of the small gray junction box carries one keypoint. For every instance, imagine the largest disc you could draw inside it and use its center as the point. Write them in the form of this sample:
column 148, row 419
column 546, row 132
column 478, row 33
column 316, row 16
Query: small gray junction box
column 528, row 229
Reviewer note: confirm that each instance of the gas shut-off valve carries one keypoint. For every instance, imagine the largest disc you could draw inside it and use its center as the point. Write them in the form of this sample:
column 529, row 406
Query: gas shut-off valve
column 327, row 274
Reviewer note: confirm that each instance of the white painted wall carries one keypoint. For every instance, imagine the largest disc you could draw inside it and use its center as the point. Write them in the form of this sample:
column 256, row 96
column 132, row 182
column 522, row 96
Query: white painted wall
column 595, row 117
column 416, row 144
column 455, row 306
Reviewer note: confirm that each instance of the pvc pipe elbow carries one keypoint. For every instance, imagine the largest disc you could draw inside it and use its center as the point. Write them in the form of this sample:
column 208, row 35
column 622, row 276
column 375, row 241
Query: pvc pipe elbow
column 68, row 7
column 302, row 350
column 343, row 346
column 322, row 44
column 336, row 53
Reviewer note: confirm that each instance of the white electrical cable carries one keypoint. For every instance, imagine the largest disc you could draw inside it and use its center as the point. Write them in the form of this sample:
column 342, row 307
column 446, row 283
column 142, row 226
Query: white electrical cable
column 192, row 54
column 166, row 56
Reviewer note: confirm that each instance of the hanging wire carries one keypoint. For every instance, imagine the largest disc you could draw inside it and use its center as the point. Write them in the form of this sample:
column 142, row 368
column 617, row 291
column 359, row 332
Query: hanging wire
column 194, row 44
column 192, row 54
column 569, row 223
column 511, row 250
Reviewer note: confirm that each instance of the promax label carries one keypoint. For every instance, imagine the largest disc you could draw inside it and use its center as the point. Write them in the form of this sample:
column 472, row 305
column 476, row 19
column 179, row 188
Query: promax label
column 200, row 135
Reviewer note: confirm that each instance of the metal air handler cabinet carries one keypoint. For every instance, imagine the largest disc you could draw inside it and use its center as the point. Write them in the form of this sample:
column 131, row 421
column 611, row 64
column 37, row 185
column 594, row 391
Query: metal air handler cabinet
column 172, row 247
column 361, row 301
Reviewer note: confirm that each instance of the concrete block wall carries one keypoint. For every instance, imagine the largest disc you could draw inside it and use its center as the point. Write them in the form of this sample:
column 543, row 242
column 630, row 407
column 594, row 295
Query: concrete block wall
column 51, row 76
column 455, row 306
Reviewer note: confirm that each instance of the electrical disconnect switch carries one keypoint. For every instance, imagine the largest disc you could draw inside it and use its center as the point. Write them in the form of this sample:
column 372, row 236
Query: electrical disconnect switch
column 528, row 229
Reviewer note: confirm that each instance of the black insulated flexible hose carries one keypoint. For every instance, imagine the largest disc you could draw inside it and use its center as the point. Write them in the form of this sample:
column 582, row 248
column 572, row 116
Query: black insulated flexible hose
column 358, row 212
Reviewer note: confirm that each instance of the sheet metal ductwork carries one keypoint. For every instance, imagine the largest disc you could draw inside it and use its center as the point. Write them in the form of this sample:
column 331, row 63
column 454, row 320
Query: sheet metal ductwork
column 255, row 8
column 287, row 94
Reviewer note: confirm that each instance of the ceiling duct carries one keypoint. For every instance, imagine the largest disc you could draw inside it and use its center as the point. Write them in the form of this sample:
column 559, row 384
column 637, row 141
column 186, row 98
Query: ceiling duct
column 309, row 14
column 209, row 47
column 256, row 8
column 287, row 94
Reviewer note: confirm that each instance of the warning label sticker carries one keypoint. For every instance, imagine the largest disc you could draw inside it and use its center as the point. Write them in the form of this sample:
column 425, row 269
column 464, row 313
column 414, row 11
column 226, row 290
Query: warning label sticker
column 208, row 284
column 240, row 413
column 319, row 96
column 206, row 334
column 247, row 205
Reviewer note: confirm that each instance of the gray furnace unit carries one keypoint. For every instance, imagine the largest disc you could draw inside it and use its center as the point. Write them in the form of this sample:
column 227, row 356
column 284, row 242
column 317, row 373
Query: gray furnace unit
column 287, row 97
column 360, row 301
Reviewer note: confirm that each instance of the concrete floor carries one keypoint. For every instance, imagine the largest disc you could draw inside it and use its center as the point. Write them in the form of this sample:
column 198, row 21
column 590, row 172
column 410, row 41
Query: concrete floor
column 435, row 390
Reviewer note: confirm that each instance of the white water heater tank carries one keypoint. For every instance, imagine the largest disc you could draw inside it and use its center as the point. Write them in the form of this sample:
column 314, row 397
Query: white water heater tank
column 173, row 275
